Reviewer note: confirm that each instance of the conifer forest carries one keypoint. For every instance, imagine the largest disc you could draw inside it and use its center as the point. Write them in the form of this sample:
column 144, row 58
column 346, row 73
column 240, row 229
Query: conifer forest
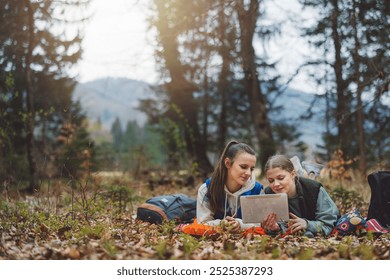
column 68, row 190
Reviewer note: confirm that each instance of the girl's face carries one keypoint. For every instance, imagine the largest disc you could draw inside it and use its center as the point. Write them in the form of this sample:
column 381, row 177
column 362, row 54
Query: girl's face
column 281, row 181
column 239, row 171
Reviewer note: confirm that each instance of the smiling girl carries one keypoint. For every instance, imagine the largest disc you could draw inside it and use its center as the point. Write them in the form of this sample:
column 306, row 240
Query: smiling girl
column 218, row 198
column 311, row 208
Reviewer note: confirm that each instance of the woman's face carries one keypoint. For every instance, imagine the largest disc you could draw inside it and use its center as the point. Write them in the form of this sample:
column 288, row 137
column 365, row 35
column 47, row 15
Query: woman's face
column 239, row 171
column 281, row 181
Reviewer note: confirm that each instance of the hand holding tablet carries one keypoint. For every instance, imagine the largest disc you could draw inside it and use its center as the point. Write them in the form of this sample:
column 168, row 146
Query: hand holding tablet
column 255, row 208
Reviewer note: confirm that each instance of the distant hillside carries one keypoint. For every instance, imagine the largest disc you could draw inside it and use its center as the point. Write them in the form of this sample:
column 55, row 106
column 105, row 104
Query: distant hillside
column 109, row 98
column 297, row 103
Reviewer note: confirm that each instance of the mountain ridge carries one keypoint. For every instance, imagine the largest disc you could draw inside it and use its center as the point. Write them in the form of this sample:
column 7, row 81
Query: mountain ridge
column 105, row 99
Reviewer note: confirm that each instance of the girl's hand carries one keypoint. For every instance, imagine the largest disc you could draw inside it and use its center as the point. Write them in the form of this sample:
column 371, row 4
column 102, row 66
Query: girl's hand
column 296, row 223
column 231, row 225
column 269, row 223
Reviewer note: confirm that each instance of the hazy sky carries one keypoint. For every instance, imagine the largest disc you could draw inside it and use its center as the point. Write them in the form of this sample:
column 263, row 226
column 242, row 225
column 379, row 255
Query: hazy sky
column 117, row 43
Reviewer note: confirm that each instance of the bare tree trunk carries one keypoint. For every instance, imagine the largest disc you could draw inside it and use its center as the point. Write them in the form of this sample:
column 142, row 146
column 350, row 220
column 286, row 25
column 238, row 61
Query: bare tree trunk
column 33, row 186
column 360, row 114
column 205, row 116
column 328, row 113
column 223, row 84
column 340, row 84
column 181, row 91
column 258, row 106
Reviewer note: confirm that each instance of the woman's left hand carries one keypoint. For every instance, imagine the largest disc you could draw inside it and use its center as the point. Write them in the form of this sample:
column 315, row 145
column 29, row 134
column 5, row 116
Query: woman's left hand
column 234, row 226
column 296, row 223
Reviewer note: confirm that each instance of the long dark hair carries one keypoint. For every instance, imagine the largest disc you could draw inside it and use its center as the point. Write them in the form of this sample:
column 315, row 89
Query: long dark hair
column 215, row 191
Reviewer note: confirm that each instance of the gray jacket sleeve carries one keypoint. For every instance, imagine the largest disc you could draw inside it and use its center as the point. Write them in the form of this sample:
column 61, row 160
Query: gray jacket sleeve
column 326, row 215
column 204, row 214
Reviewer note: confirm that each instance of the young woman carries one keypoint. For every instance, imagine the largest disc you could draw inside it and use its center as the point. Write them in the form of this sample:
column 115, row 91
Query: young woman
column 311, row 208
column 219, row 197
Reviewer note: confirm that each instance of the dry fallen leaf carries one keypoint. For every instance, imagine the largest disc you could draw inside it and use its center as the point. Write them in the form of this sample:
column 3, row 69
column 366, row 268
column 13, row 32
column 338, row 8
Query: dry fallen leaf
column 71, row 252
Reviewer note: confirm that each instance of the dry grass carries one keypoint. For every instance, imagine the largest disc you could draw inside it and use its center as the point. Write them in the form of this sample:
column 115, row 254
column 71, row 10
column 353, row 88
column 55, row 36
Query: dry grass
column 86, row 220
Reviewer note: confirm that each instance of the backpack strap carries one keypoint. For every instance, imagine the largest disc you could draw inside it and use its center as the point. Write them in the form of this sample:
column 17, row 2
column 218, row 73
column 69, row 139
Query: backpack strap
column 255, row 190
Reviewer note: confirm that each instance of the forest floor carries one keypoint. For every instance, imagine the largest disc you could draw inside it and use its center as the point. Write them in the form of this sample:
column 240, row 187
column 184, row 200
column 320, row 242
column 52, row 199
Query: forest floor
column 95, row 218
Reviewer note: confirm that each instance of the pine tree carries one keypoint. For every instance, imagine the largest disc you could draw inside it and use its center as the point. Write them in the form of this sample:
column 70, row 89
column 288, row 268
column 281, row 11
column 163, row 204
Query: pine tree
column 353, row 33
column 206, row 53
column 117, row 134
column 37, row 54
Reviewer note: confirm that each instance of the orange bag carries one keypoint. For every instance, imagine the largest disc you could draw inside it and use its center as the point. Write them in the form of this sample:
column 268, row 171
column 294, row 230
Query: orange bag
column 200, row 229
column 205, row 230
column 254, row 231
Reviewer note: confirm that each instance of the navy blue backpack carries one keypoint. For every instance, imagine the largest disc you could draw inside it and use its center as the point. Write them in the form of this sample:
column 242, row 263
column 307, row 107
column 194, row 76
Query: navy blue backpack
column 179, row 208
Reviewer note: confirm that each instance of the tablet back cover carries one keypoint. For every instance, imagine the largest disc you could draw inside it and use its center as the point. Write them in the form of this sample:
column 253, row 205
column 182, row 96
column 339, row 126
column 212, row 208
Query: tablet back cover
column 255, row 208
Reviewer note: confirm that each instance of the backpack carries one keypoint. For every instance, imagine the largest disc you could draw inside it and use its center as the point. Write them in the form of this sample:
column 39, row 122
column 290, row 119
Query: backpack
column 351, row 223
column 171, row 207
column 379, row 207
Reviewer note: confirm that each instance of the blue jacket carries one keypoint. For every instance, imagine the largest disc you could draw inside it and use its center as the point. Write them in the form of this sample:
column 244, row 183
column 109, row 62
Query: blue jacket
column 256, row 190
column 231, row 205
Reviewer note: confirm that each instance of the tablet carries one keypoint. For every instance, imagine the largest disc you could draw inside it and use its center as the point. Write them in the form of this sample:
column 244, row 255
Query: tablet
column 255, row 208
